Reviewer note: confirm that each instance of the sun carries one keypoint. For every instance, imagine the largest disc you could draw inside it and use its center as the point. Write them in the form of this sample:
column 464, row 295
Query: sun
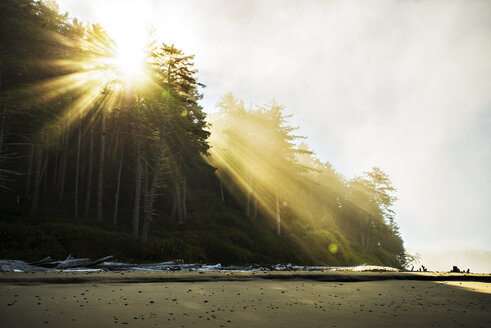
column 129, row 31
column 129, row 59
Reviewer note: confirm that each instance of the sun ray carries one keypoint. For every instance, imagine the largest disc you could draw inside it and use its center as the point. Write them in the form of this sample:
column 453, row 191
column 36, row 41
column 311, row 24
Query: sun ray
column 101, row 70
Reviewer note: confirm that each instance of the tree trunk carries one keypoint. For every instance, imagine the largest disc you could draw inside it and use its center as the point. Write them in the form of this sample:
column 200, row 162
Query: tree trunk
column 82, row 180
column 138, row 183
column 278, row 217
column 184, row 206
column 248, row 196
column 44, row 178
column 37, row 180
column 77, row 169
column 221, row 190
column 29, row 171
column 100, row 179
column 116, row 137
column 145, row 185
column 89, row 174
column 2, row 129
column 174, row 207
column 148, row 209
column 118, row 186
column 178, row 203
column 61, row 192
column 55, row 171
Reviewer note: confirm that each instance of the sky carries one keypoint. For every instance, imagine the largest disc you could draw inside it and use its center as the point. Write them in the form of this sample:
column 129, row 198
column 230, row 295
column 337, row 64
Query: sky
column 402, row 85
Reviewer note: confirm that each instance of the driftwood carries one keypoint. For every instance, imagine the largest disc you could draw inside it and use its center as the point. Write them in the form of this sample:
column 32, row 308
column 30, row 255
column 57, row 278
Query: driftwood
column 18, row 266
column 47, row 263
column 102, row 264
column 72, row 263
column 101, row 260
column 43, row 261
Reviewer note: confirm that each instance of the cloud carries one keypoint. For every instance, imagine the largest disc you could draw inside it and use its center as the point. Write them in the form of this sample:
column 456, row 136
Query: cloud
column 398, row 84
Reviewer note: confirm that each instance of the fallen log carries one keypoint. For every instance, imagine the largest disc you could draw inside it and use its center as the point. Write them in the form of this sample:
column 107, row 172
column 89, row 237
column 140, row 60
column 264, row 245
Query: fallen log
column 71, row 262
column 19, row 266
column 116, row 266
column 101, row 260
column 46, row 260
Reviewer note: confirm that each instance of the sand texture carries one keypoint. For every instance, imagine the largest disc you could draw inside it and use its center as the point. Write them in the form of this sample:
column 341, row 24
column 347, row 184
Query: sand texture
column 211, row 299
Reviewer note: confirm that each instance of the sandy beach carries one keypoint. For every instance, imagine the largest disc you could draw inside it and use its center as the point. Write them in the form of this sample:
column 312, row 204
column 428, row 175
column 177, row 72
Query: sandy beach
column 257, row 299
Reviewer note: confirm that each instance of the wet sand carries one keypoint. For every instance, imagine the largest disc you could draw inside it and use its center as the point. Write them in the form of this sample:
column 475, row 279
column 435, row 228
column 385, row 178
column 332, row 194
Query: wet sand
column 259, row 299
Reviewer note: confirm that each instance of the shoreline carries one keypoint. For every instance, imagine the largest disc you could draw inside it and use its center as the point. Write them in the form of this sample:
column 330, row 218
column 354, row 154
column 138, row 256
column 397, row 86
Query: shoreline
column 130, row 277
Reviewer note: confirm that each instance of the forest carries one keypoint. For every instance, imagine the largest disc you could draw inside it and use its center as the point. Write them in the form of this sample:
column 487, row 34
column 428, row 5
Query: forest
column 97, row 161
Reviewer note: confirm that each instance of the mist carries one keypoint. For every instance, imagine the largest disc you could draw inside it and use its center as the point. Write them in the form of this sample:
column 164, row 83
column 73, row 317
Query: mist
column 402, row 85
column 474, row 260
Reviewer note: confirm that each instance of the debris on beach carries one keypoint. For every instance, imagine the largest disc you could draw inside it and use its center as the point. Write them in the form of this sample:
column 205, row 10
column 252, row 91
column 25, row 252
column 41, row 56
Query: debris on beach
column 455, row 269
column 105, row 264
column 47, row 264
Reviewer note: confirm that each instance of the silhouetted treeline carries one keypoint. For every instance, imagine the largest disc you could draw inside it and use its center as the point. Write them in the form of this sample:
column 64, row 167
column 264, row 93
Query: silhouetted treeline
column 81, row 145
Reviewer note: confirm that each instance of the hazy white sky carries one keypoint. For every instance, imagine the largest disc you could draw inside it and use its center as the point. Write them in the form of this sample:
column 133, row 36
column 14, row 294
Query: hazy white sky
column 403, row 85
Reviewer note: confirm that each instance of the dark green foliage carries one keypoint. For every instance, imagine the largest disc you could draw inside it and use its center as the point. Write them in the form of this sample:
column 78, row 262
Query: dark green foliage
column 32, row 241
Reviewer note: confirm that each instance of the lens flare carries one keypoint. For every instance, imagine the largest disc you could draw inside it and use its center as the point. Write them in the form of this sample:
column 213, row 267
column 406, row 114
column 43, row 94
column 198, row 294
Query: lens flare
column 333, row 248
